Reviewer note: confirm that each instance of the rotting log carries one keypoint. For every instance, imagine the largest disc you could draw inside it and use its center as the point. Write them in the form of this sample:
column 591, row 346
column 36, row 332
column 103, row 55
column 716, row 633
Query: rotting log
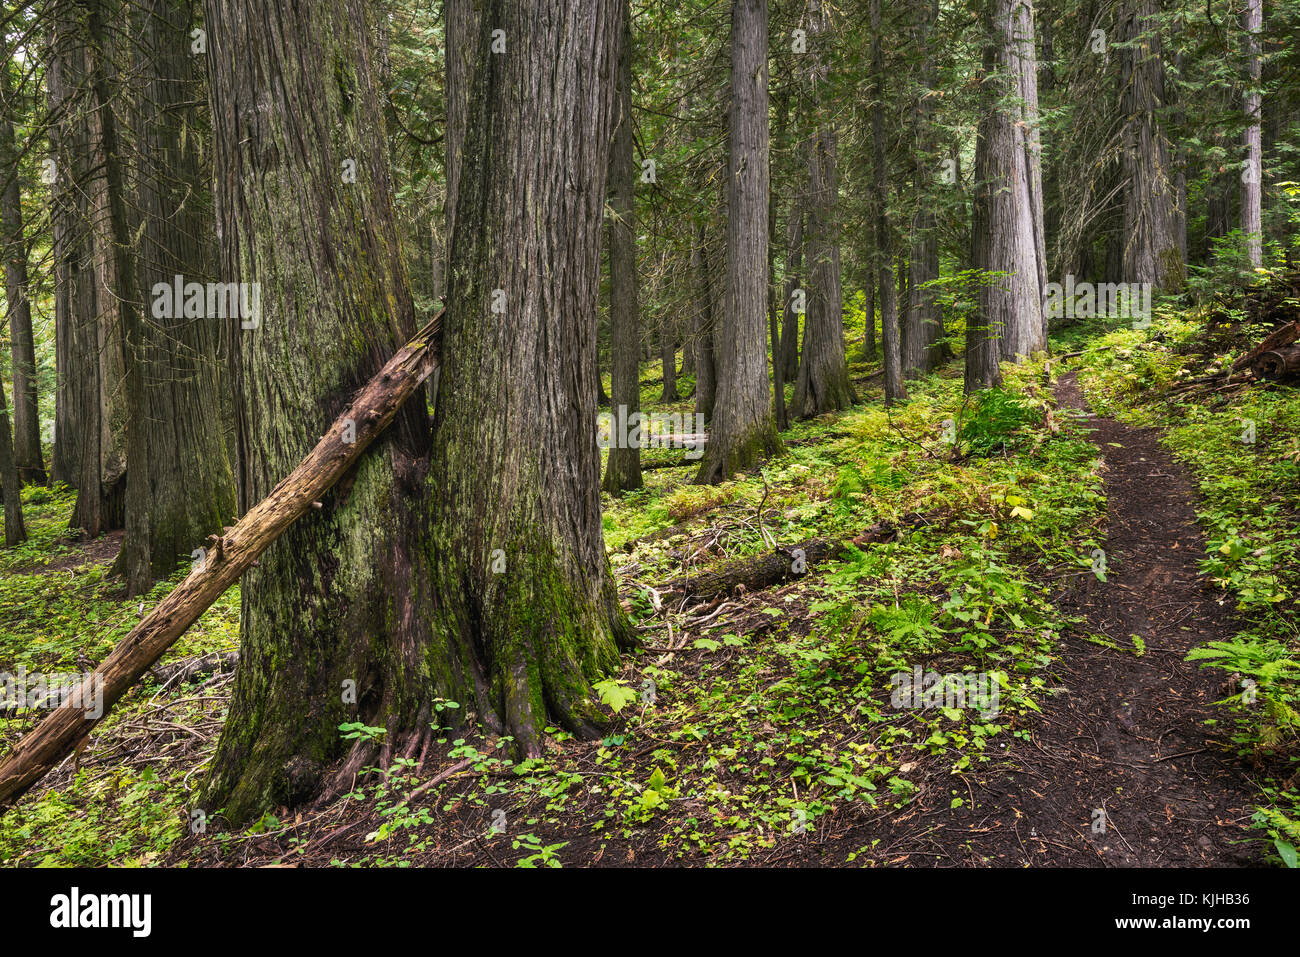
column 226, row 557
column 785, row 563
column 1277, row 363
column 1278, row 338
column 756, row 572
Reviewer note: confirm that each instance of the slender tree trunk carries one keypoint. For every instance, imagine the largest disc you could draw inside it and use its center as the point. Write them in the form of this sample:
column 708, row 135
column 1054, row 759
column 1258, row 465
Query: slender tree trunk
column 27, row 427
column 743, row 430
column 869, row 352
column 668, row 359
column 1252, row 178
column 790, row 314
column 10, row 484
column 182, row 488
column 623, row 468
column 335, row 625
column 706, row 382
column 527, row 611
column 890, row 331
column 1151, row 252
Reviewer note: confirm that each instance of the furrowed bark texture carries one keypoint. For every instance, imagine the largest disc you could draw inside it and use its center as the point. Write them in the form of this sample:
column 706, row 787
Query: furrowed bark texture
column 1252, row 22
column 230, row 554
column 27, row 426
column 526, row 613
column 890, row 333
column 1151, row 253
column 623, row 466
column 342, row 600
column 823, row 384
column 91, row 381
column 1006, row 229
column 183, row 487
column 743, row 431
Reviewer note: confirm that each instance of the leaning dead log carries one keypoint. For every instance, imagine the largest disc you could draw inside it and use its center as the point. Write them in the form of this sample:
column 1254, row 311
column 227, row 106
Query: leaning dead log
column 1277, row 363
column 227, row 556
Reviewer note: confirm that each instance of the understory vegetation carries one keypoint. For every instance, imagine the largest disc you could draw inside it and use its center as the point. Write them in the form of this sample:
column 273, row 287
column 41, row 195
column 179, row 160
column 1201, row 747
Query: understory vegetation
column 749, row 721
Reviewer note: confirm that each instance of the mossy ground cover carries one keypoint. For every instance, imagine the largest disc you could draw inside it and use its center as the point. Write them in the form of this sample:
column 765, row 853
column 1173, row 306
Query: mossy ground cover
column 745, row 723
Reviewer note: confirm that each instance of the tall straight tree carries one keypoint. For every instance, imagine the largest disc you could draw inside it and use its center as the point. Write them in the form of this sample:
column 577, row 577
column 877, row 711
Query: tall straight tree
column 1006, row 238
column 890, row 333
column 91, row 384
column 623, row 467
column 925, row 324
column 1252, row 175
column 182, row 488
column 10, row 484
column 526, row 610
column 27, row 428
column 1151, row 250
column 823, row 384
column 334, row 625
column 743, row 431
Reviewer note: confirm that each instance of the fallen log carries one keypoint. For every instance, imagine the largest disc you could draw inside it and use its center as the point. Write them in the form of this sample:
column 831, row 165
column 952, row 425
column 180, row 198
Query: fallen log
column 756, row 572
column 1278, row 338
column 784, row 564
column 1277, row 363
column 227, row 557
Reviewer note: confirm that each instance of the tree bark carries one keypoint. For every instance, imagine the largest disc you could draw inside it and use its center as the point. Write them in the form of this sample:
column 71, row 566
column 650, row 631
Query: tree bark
column 890, row 332
column 181, row 487
column 1252, row 23
column 1007, row 222
column 526, row 610
column 1151, row 252
column 232, row 552
column 10, row 484
column 743, row 431
column 921, row 352
column 27, row 427
column 706, row 382
column 92, row 369
column 623, row 466
column 823, row 384
column 335, row 624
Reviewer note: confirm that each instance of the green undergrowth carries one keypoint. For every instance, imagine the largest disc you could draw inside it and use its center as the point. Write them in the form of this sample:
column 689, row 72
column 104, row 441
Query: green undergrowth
column 1243, row 446
column 60, row 614
column 728, row 735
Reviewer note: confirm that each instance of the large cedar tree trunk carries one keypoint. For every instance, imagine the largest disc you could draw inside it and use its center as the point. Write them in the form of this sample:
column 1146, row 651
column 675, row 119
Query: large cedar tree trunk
column 183, row 488
column 823, row 384
column 336, row 623
column 743, row 431
column 890, row 333
column 1252, row 22
column 527, row 614
column 1151, row 253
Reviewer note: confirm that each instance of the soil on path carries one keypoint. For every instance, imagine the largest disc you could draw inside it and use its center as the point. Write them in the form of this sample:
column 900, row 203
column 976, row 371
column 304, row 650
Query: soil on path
column 1122, row 739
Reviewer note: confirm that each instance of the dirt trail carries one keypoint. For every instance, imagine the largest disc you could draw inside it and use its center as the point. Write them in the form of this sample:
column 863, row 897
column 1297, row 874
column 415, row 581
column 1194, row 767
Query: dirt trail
column 1120, row 733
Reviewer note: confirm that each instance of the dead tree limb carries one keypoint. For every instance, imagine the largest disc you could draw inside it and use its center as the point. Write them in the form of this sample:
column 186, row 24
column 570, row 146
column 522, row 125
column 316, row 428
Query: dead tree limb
column 230, row 554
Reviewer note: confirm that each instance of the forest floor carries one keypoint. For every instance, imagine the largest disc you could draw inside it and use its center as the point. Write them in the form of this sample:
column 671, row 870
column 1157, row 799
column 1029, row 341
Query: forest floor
column 1051, row 568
